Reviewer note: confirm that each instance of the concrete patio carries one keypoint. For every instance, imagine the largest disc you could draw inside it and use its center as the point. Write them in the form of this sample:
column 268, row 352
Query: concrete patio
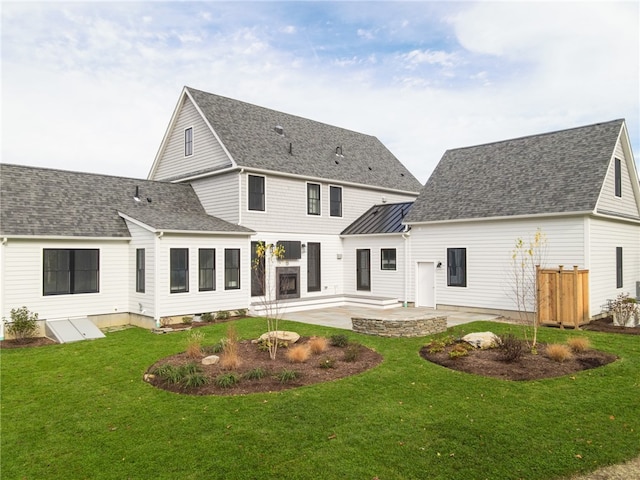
column 340, row 317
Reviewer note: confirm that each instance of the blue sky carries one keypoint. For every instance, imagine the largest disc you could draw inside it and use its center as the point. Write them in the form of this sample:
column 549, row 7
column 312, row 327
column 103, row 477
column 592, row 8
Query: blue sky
column 91, row 86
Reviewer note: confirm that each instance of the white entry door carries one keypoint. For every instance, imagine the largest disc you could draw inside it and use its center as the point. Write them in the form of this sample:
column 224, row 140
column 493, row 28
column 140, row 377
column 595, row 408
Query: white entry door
column 425, row 285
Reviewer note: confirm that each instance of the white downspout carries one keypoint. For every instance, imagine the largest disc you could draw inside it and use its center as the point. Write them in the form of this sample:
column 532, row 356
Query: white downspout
column 156, row 279
column 405, row 236
column 240, row 196
column 3, row 275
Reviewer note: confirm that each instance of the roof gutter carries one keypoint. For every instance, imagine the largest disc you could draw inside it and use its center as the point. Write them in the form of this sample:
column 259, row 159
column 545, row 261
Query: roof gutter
column 502, row 218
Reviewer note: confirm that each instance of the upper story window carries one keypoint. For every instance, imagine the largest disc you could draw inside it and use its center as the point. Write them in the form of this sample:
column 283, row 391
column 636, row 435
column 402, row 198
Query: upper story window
column 388, row 259
column 179, row 270
column 456, row 267
column 67, row 271
column 335, row 201
column 619, row 268
column 188, row 141
column 618, row 177
column 313, row 198
column 256, row 193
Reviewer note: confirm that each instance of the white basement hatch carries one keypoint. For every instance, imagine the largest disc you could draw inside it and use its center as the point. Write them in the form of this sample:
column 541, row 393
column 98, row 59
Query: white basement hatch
column 72, row 330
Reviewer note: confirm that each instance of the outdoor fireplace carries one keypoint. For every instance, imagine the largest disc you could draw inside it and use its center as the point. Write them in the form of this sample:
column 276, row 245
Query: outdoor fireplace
column 288, row 282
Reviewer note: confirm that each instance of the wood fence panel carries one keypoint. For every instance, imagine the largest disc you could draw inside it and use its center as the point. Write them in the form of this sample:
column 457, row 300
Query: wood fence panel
column 562, row 296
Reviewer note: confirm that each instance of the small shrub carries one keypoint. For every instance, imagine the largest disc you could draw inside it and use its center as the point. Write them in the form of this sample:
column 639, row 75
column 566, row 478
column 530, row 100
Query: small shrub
column 215, row 348
column 207, row 317
column 175, row 375
column 241, row 312
column 287, row 376
column 222, row 315
column 230, row 358
column 194, row 380
column 318, row 345
column 327, row 362
column 23, row 325
column 438, row 344
column 255, row 374
column 187, row 320
column 352, row 352
column 511, row 348
column 226, row 380
column 165, row 321
column 339, row 340
column 299, row 353
column 194, row 344
column 578, row 344
column 558, row 352
column 459, row 350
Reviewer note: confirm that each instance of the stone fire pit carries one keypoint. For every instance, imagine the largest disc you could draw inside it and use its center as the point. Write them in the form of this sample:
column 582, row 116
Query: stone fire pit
column 413, row 327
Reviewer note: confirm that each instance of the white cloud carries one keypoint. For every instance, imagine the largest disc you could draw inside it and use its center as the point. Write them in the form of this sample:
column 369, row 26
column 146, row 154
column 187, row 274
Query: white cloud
column 431, row 57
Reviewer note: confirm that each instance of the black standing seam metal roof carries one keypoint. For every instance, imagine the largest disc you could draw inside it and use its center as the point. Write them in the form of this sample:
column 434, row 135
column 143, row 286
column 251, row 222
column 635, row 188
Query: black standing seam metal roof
column 556, row 172
column 46, row 202
column 304, row 147
column 383, row 218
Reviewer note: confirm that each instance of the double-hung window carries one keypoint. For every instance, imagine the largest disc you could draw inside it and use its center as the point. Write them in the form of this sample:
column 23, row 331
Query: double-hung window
column 68, row 271
column 335, row 201
column 388, row 259
column 313, row 199
column 188, row 141
column 179, row 270
column 140, row 270
column 206, row 269
column 231, row 268
column 256, row 193
column 457, row 267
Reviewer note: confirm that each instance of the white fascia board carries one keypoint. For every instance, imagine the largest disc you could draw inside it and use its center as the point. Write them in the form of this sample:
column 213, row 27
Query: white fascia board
column 207, row 232
column 65, row 237
column 503, row 218
column 331, row 181
column 165, row 139
column 212, row 173
column 376, row 235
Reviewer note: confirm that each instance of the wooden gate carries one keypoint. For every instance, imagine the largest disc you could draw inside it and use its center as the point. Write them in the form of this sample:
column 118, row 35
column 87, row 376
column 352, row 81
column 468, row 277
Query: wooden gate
column 562, row 296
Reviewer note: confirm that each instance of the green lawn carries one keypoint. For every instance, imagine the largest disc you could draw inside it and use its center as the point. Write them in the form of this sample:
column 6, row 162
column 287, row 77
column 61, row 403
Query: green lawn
column 82, row 411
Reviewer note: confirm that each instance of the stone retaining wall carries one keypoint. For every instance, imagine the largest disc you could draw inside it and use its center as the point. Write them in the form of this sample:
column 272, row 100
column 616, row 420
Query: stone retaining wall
column 418, row 327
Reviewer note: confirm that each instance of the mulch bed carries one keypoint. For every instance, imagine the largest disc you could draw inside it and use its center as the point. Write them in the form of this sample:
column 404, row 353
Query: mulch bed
column 606, row 325
column 252, row 357
column 30, row 342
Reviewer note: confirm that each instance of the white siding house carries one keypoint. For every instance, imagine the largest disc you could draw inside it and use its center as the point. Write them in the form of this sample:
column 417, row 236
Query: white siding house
column 578, row 186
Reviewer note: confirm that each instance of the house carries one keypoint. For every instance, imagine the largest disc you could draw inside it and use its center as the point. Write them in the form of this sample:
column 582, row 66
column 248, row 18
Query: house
column 227, row 175
column 117, row 250
column 292, row 180
column 578, row 186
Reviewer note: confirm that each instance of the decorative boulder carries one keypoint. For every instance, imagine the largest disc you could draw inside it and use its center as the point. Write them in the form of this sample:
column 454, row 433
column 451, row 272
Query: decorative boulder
column 482, row 339
column 282, row 336
column 210, row 360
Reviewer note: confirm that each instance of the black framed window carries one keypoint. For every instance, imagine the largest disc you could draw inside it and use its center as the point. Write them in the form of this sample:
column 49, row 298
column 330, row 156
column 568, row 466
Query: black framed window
column 313, row 198
column 188, row 141
column 69, row 271
column 257, row 271
column 363, row 269
column 179, row 270
column 256, row 193
column 140, row 270
column 619, row 279
column 456, row 267
column 618, row 177
column 335, row 201
column 231, row 268
column 388, row 259
column 206, row 269
column 292, row 249
column 314, row 281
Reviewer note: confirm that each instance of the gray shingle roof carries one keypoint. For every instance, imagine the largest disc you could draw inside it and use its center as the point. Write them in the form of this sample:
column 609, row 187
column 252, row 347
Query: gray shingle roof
column 557, row 172
column 383, row 218
column 38, row 201
column 248, row 132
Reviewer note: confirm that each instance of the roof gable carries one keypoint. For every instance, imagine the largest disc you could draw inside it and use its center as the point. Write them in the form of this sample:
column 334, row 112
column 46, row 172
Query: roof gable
column 46, row 202
column 557, row 172
column 300, row 146
column 384, row 218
